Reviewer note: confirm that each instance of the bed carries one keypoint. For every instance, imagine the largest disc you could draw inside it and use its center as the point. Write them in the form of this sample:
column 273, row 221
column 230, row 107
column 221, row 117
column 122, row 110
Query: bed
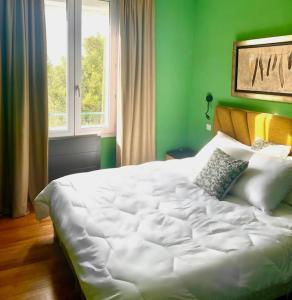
column 147, row 232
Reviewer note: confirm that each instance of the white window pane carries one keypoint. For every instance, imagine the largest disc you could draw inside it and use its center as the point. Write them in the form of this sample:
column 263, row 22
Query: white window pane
column 56, row 26
column 94, row 63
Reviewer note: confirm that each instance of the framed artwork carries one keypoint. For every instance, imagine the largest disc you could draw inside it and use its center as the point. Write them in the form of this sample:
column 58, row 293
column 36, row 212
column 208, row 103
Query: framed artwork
column 262, row 69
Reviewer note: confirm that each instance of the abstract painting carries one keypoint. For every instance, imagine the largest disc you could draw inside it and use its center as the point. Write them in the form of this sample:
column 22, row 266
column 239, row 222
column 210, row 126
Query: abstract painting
column 262, row 69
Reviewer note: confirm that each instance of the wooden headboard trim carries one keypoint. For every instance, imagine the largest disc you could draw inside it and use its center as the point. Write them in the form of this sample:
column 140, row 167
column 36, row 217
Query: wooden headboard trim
column 245, row 125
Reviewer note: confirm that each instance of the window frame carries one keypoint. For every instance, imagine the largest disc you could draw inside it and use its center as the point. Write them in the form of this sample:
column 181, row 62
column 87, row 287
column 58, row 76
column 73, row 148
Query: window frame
column 74, row 11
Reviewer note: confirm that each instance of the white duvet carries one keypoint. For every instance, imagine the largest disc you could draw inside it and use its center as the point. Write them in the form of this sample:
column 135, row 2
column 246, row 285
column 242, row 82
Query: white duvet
column 147, row 232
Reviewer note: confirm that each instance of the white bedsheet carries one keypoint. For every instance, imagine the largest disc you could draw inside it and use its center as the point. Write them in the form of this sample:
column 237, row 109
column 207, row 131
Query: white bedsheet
column 147, row 232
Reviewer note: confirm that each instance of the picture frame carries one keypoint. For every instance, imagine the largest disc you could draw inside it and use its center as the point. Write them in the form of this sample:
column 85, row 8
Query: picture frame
column 262, row 69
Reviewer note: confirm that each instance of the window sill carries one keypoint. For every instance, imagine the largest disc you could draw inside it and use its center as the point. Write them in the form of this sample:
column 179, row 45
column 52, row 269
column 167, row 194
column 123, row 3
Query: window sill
column 102, row 135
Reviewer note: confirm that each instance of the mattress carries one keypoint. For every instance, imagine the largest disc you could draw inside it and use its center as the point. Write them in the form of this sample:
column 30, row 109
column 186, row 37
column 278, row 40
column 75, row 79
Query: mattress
column 147, row 232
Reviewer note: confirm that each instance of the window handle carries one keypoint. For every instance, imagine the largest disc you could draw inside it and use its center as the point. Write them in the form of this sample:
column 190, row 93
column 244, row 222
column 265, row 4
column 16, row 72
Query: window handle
column 77, row 90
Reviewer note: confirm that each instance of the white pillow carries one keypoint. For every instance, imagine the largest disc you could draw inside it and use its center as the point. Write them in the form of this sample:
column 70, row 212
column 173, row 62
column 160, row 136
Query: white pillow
column 281, row 151
column 227, row 144
column 265, row 182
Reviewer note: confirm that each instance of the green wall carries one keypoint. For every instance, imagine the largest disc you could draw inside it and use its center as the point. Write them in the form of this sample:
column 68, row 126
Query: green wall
column 194, row 40
column 108, row 152
column 174, row 55
column 216, row 25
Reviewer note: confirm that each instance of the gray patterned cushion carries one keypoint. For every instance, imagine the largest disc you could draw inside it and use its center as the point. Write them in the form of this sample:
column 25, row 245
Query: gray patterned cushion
column 221, row 171
column 260, row 144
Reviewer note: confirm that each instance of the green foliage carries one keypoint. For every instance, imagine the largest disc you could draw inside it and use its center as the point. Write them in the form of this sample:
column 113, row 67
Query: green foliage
column 92, row 75
column 57, row 92
column 91, row 86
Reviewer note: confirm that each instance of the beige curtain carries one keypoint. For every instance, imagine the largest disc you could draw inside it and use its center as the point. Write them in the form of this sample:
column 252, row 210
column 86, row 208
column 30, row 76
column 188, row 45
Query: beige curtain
column 23, row 104
column 136, row 100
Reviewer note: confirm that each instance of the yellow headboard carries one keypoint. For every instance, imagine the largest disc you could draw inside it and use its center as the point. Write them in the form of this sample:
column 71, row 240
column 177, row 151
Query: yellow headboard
column 245, row 126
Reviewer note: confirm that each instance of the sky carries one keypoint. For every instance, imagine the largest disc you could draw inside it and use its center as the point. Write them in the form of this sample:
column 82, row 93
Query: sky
column 95, row 20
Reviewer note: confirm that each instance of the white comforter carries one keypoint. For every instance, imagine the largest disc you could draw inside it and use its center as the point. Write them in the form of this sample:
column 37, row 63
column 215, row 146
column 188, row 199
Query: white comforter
column 147, row 232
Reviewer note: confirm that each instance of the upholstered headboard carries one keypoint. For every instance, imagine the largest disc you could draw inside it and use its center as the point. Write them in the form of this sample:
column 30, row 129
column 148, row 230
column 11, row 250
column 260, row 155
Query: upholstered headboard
column 245, row 125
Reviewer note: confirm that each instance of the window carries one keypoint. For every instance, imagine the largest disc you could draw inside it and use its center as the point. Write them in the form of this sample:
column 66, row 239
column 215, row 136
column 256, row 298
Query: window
column 57, row 65
column 81, row 66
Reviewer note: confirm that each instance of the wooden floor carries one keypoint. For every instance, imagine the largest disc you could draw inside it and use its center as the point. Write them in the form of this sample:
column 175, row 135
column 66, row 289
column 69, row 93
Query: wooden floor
column 32, row 266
